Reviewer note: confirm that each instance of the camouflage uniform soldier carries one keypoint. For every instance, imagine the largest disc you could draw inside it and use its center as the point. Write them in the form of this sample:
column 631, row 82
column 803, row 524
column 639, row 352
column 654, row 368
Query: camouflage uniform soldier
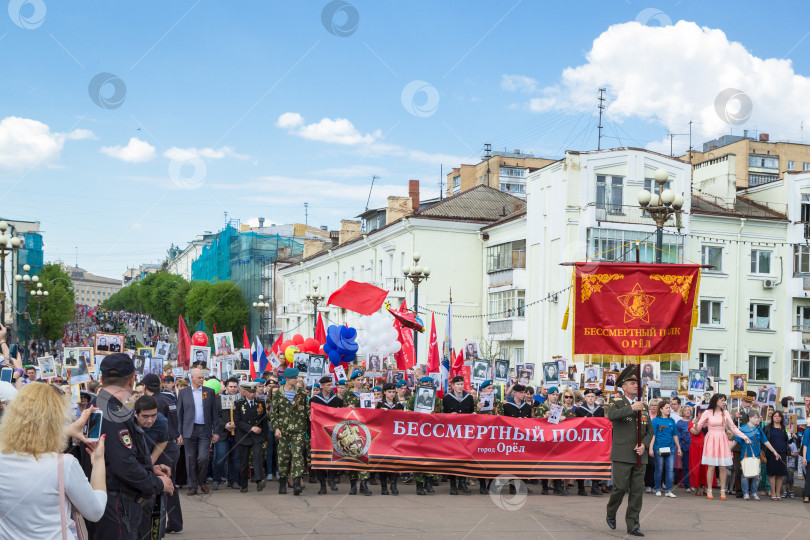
column 424, row 480
column 352, row 399
column 290, row 417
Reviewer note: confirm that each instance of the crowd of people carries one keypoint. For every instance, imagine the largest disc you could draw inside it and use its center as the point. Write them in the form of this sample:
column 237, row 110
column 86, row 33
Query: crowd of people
column 163, row 435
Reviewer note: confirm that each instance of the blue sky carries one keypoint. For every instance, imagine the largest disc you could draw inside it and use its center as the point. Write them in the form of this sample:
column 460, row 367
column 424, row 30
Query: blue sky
column 254, row 108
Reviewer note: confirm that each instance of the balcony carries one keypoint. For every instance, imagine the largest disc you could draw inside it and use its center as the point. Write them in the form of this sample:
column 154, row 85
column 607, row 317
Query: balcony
column 758, row 179
column 501, row 278
column 500, row 327
column 289, row 309
column 395, row 286
column 513, row 329
column 619, row 213
column 805, row 330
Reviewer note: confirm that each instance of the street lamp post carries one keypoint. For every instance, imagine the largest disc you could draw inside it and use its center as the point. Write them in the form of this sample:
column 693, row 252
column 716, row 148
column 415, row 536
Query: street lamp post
column 261, row 305
column 416, row 274
column 660, row 206
column 39, row 295
column 27, row 282
column 315, row 298
column 8, row 244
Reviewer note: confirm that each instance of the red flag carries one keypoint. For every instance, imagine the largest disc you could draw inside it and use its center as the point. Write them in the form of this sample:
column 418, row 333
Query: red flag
column 183, row 344
column 320, row 331
column 458, row 363
column 362, row 298
column 246, row 345
column 433, row 349
column 215, row 329
column 406, row 357
column 275, row 346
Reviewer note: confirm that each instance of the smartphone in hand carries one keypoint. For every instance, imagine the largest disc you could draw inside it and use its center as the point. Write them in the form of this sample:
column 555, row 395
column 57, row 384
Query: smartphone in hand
column 92, row 430
column 7, row 374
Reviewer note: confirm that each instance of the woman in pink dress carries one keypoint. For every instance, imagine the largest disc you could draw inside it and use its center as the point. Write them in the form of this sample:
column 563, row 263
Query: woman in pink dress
column 716, row 451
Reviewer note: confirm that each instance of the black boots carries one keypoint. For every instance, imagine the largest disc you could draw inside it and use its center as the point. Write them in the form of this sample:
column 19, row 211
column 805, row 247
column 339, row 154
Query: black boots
column 482, row 487
column 462, row 483
column 384, row 482
column 312, row 479
column 364, row 487
column 373, row 479
column 420, row 488
column 595, row 488
column 392, row 479
column 429, row 486
column 330, row 479
column 353, row 489
column 282, row 486
column 581, row 488
column 322, row 491
column 297, row 489
column 453, row 490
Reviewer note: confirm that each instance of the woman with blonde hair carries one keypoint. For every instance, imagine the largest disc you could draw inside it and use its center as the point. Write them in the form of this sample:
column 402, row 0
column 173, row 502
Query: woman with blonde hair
column 36, row 476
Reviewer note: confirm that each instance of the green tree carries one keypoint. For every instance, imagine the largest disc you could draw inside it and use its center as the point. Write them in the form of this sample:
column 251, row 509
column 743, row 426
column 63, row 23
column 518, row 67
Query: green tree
column 57, row 307
column 219, row 304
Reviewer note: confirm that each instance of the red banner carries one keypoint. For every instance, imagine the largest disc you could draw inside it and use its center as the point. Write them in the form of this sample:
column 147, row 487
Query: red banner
column 476, row 445
column 634, row 309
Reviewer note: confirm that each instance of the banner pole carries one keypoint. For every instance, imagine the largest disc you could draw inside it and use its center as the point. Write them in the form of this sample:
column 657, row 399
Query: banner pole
column 638, row 392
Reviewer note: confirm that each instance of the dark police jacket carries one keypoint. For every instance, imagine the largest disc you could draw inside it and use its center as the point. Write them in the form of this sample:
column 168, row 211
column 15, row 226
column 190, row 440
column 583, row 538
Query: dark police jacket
column 524, row 410
column 246, row 417
column 451, row 404
column 167, row 406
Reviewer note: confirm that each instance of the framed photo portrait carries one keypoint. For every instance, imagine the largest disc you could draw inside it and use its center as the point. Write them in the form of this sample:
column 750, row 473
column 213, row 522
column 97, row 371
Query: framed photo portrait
column 551, row 374
column 153, row 365
column 106, row 343
column 572, row 372
column 225, row 367
column 562, row 365
column 697, row 381
column 470, row 350
column 301, row 362
column 651, row 374
column 481, row 370
column 317, row 366
column 47, row 367
column 199, row 355
column 593, row 377
column 374, row 362
column 223, row 343
column 147, row 352
column 683, row 385
column 242, row 361
column 497, row 389
column 762, row 396
column 609, row 381
column 411, row 379
column 227, row 400
column 501, row 374
column 162, row 350
column 75, row 364
column 801, row 414
column 437, row 379
column 773, row 394
column 140, row 364
column 739, row 385
column 424, row 401
column 396, row 376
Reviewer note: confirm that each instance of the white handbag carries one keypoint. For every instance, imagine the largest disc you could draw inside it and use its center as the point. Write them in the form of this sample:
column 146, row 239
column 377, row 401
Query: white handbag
column 750, row 465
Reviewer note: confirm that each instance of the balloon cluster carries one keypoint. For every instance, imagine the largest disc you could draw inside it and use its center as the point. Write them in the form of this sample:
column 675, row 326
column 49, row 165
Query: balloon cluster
column 200, row 339
column 379, row 335
column 214, row 385
column 299, row 344
column 340, row 344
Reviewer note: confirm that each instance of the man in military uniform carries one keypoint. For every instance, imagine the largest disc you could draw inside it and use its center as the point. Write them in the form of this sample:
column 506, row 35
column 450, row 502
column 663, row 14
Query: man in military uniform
column 327, row 398
column 131, row 476
column 628, row 475
column 458, row 401
column 290, row 417
column 352, row 399
column 250, row 419
column 424, row 481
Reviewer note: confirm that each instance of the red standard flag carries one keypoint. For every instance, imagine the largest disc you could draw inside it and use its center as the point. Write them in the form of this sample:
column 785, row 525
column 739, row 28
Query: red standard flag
column 362, row 298
column 406, row 358
column 320, row 332
column 433, row 348
column 634, row 309
column 275, row 347
column 246, row 345
column 183, row 344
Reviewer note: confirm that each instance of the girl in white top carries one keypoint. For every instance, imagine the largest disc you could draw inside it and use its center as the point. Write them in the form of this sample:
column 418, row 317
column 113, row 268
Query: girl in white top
column 32, row 435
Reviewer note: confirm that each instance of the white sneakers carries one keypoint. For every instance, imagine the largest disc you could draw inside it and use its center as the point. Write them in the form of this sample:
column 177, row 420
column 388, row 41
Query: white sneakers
column 671, row 495
column 657, row 493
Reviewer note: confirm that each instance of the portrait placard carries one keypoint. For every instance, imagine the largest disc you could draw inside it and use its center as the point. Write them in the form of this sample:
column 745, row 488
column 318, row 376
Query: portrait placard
column 223, row 343
column 501, row 374
column 228, row 400
column 199, row 355
column 609, row 381
column 739, row 385
column 424, row 401
column 481, row 370
column 47, row 367
column 487, row 400
column 106, row 343
column 551, row 374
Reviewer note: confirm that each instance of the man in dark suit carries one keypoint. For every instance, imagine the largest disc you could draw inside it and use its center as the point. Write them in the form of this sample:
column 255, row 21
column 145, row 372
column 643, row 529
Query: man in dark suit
column 250, row 418
column 628, row 476
column 197, row 413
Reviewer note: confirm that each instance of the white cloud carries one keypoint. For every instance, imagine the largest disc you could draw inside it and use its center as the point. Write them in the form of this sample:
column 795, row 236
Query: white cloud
column 338, row 130
column 518, row 83
column 136, row 151
column 354, row 171
column 673, row 74
column 186, row 154
column 30, row 143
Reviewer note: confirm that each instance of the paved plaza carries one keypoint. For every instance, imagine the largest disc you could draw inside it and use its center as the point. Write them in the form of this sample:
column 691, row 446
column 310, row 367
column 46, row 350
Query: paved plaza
column 230, row 514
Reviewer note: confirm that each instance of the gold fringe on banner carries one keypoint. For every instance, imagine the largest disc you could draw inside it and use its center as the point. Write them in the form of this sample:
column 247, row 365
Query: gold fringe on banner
column 628, row 359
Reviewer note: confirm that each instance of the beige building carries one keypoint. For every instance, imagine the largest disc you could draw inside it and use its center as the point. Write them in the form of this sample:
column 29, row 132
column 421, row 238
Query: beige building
column 90, row 289
column 758, row 160
column 505, row 171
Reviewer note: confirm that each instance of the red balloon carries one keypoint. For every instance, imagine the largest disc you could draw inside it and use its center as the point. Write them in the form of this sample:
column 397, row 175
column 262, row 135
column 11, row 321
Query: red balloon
column 311, row 345
column 321, row 351
column 200, row 339
column 297, row 339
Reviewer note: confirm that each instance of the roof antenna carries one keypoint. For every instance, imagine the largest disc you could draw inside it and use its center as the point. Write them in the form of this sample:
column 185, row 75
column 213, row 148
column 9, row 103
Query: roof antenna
column 373, row 177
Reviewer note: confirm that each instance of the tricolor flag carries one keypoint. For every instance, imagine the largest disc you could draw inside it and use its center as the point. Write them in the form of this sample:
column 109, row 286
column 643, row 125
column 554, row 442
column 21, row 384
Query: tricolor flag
column 257, row 354
column 447, row 346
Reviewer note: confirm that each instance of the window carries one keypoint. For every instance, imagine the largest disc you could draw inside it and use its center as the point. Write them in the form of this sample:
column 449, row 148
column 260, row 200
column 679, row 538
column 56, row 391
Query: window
column 801, row 259
column 505, row 256
column 710, row 312
column 512, row 188
column 764, row 162
column 710, row 360
column 456, row 182
column 652, row 186
column 609, row 193
column 761, row 261
column 801, row 365
column 759, row 316
column 712, row 255
column 759, row 367
column 803, row 318
column 506, row 304
column 791, row 165
column 518, row 355
column 806, row 166
column 602, row 244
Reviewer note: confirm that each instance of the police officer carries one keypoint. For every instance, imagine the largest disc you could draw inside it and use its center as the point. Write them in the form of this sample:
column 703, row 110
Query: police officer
column 131, row 476
column 167, row 406
column 250, row 418
column 290, row 417
column 424, row 481
column 628, row 476
column 458, row 401
column 327, row 398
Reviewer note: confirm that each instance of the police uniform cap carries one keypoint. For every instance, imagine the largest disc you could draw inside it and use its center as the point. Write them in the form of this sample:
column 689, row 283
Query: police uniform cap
column 249, row 385
column 484, row 384
column 629, row 373
column 388, row 386
column 426, row 380
column 151, row 382
column 325, row 379
column 518, row 388
column 457, row 378
column 117, row 365
column 290, row 373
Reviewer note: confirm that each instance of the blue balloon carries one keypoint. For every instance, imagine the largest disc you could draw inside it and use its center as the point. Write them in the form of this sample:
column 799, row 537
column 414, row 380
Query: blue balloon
column 348, row 333
column 334, row 357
